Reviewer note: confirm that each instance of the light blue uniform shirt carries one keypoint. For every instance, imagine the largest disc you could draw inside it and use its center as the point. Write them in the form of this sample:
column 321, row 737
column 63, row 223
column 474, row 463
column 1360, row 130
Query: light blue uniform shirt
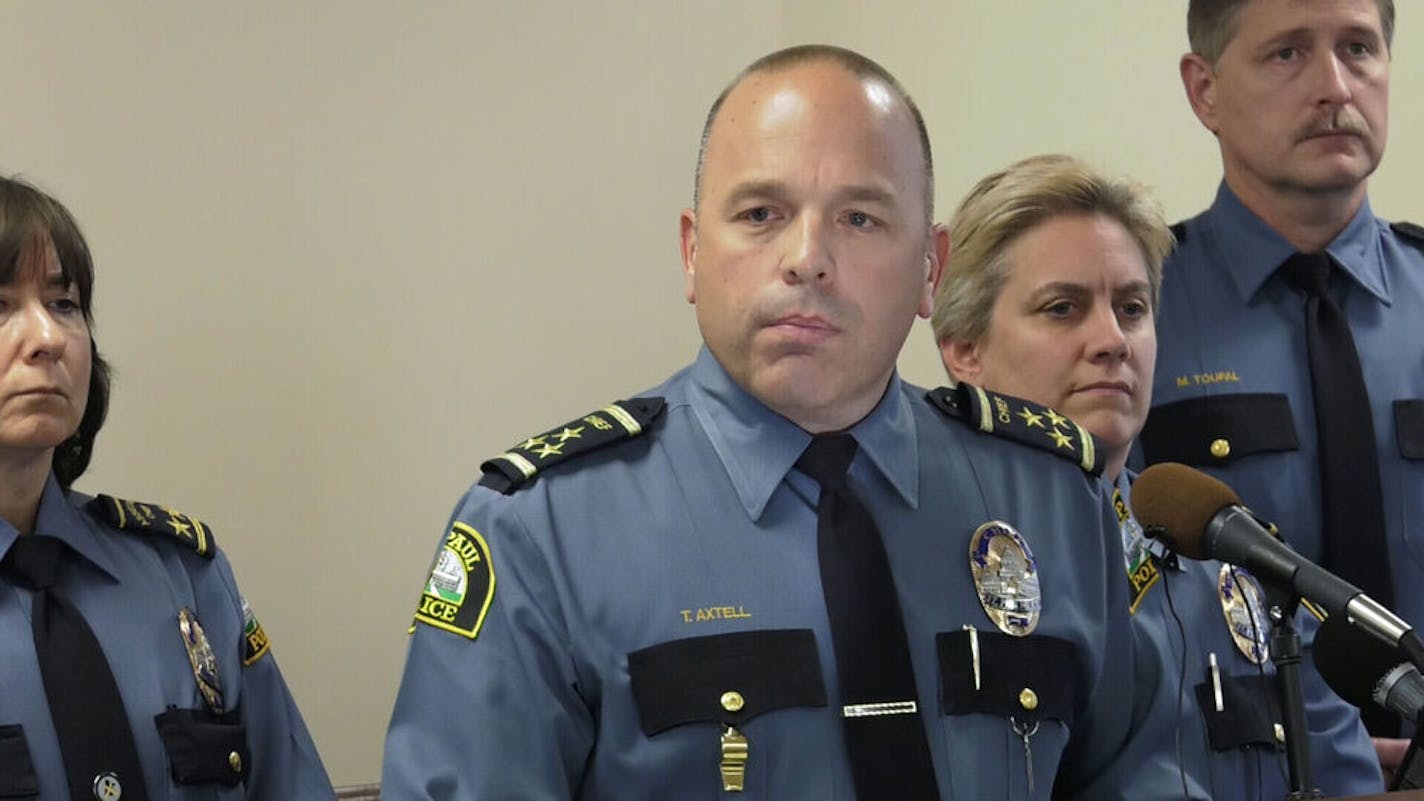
column 1182, row 614
column 130, row 587
column 1229, row 329
column 700, row 528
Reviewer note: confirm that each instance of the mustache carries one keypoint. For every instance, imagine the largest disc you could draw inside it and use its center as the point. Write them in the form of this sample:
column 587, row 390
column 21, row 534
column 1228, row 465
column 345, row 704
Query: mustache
column 1341, row 121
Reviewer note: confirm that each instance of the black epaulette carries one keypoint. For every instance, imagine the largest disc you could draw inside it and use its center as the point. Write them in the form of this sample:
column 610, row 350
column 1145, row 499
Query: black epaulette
column 1022, row 421
column 153, row 519
column 623, row 420
column 1409, row 230
column 1179, row 232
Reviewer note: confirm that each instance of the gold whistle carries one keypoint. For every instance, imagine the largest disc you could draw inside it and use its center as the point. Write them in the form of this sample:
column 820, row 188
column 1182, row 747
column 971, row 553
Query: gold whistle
column 734, row 760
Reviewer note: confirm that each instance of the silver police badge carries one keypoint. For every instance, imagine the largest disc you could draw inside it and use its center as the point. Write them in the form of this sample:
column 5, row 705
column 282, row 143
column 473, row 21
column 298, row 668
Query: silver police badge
column 1006, row 577
column 200, row 656
column 1243, row 604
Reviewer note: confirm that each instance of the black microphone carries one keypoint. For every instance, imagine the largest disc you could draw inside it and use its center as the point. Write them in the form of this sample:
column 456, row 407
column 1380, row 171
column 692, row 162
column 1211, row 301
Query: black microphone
column 1201, row 518
column 1363, row 670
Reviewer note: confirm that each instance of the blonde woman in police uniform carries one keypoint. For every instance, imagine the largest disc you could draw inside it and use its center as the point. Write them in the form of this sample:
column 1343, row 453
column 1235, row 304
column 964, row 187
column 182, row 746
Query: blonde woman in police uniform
column 1049, row 293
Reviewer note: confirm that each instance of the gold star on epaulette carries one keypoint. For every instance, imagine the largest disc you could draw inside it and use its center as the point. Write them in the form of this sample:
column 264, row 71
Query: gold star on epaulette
column 532, row 443
column 548, row 449
column 569, row 433
column 1030, row 418
column 1060, row 439
column 1055, row 418
column 179, row 527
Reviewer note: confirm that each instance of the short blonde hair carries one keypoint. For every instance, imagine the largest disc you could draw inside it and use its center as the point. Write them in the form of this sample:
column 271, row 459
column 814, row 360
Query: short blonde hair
column 1006, row 205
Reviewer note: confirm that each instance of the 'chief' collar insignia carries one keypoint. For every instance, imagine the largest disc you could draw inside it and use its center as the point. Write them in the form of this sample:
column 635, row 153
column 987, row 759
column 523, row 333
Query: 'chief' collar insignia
column 1021, row 421
column 153, row 519
column 1006, row 578
column 521, row 463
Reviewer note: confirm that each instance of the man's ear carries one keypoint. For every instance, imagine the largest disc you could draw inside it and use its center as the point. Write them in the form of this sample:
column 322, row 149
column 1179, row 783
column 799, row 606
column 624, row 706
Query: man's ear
column 935, row 259
column 961, row 360
column 1199, row 81
column 687, row 236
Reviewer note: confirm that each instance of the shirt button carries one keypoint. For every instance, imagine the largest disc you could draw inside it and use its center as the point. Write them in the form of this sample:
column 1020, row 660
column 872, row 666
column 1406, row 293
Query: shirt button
column 1220, row 448
column 107, row 787
column 732, row 701
column 234, row 761
column 1028, row 699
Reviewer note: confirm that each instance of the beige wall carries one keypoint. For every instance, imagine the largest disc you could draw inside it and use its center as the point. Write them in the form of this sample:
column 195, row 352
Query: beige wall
column 345, row 251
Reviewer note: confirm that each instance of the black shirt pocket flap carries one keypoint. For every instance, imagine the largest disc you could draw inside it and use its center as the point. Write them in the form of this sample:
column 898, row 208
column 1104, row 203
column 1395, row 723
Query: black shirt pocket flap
column 1409, row 428
column 1250, row 708
column 1219, row 429
column 203, row 747
column 726, row 678
column 1026, row 678
column 17, row 772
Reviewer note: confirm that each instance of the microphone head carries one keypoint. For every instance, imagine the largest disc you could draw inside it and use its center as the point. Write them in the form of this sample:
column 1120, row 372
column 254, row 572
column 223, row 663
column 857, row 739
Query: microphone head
column 1175, row 503
column 1351, row 661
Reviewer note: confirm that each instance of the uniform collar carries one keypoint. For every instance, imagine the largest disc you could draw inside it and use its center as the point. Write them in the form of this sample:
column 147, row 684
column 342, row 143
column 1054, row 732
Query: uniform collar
column 757, row 447
column 60, row 519
column 1252, row 250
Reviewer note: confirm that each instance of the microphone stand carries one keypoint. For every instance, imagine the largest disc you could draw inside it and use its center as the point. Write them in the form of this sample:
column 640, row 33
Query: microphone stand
column 1285, row 654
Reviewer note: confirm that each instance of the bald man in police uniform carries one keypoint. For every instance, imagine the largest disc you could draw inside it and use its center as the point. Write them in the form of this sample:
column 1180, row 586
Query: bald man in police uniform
column 1297, row 95
column 632, row 605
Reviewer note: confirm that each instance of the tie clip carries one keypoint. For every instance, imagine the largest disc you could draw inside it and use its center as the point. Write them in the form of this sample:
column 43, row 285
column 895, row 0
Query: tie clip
column 886, row 708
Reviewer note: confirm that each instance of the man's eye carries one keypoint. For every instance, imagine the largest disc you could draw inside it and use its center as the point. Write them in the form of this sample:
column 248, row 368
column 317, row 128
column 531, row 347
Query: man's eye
column 1286, row 54
column 1059, row 308
column 859, row 219
column 760, row 214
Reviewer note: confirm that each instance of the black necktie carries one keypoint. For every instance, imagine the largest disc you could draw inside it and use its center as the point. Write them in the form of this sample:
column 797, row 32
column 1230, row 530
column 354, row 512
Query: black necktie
column 885, row 735
column 1352, row 507
column 94, row 736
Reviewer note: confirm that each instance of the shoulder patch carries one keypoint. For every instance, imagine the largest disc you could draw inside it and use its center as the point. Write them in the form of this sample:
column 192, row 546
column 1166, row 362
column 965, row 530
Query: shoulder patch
column 1409, row 230
column 521, row 463
column 152, row 519
column 460, row 587
column 255, row 644
column 1021, row 421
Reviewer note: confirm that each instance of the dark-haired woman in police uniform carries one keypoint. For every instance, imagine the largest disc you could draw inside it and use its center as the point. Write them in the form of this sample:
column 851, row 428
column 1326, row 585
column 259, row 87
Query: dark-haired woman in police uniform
column 130, row 666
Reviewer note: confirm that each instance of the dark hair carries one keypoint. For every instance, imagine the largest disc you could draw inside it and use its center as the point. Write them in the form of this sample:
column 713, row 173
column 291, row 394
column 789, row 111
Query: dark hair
column 29, row 221
column 1211, row 25
column 851, row 61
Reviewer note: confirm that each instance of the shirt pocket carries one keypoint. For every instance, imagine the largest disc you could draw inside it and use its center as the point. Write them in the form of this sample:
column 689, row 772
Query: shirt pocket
column 208, row 756
column 1409, row 428
column 1219, row 429
column 17, row 771
column 1250, row 712
column 721, row 682
column 995, row 691
column 1409, row 439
